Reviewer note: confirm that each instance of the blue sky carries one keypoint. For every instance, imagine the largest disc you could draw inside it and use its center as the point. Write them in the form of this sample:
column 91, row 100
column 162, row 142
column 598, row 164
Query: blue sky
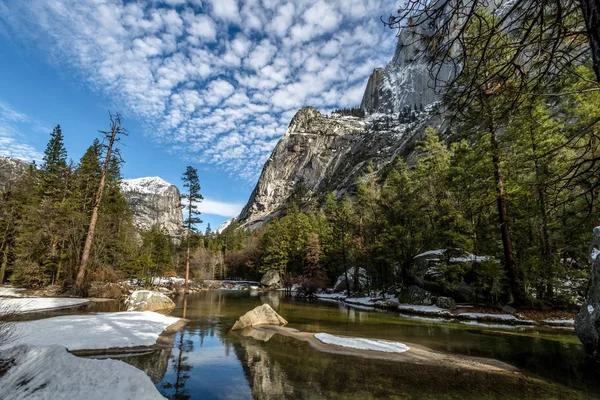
column 209, row 83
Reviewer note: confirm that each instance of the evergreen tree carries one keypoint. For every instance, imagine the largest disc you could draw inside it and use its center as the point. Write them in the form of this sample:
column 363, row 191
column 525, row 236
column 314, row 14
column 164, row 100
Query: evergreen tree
column 193, row 197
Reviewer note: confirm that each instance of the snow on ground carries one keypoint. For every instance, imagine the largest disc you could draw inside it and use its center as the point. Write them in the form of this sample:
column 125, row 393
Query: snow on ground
column 362, row 344
column 504, row 317
column 93, row 332
column 425, row 310
column 9, row 291
column 424, row 319
column 52, row 373
column 559, row 322
column 28, row 304
column 486, row 325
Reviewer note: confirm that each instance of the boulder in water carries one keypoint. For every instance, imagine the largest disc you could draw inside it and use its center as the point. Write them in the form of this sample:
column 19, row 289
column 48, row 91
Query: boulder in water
column 587, row 322
column 271, row 279
column 261, row 315
column 147, row 300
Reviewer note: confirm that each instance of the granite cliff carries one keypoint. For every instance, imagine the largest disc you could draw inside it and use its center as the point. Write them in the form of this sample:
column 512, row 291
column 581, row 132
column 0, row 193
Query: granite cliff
column 154, row 201
column 328, row 153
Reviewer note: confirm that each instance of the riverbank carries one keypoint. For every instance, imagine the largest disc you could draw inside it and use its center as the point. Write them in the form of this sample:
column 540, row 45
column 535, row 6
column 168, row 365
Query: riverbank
column 463, row 312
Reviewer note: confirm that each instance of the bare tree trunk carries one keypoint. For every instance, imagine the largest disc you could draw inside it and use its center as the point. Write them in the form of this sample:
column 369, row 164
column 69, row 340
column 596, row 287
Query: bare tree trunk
column 509, row 260
column 591, row 13
column 89, row 240
column 4, row 263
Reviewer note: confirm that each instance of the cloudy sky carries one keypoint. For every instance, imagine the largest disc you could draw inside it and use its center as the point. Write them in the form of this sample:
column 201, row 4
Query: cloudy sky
column 212, row 83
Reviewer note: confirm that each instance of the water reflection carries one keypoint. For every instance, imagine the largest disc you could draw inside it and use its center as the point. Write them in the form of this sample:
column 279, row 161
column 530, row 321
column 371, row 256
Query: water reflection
column 207, row 361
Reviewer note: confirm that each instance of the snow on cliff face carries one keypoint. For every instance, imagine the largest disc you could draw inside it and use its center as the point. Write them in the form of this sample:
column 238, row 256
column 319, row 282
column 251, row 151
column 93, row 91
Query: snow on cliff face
column 225, row 225
column 10, row 171
column 154, row 201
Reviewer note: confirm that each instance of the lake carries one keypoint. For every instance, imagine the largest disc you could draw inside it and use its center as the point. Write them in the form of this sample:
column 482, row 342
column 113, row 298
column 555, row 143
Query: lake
column 208, row 361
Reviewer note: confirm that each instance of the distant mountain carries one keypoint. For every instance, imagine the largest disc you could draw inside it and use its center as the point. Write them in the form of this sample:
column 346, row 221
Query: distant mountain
column 154, row 201
column 10, row 171
column 328, row 153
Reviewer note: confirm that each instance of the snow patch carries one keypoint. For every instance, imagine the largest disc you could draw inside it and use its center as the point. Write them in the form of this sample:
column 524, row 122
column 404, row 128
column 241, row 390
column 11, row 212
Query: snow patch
column 92, row 332
column 362, row 344
column 147, row 185
column 29, row 304
column 8, row 291
column 224, row 225
column 52, row 373
column 476, row 316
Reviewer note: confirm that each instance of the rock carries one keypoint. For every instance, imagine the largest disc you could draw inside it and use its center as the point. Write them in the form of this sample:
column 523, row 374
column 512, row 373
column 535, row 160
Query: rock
column 261, row 315
column 416, row 296
column 446, row 302
column 11, row 169
column 508, row 309
column 147, row 300
column 595, row 246
column 271, row 279
column 340, row 283
column 587, row 322
column 154, row 201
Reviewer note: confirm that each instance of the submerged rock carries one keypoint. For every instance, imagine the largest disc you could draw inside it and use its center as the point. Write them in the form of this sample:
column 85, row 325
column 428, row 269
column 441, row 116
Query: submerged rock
column 271, row 279
column 587, row 322
column 261, row 315
column 147, row 300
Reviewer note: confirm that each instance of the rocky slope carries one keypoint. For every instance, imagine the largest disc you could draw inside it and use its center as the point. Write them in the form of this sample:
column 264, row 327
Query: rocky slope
column 154, row 201
column 10, row 171
column 321, row 153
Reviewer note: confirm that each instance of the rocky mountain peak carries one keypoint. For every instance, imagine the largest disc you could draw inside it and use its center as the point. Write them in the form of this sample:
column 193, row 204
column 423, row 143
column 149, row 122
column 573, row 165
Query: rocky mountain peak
column 154, row 201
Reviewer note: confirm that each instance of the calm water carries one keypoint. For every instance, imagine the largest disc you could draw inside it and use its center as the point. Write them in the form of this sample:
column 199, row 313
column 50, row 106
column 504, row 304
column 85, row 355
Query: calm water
column 207, row 361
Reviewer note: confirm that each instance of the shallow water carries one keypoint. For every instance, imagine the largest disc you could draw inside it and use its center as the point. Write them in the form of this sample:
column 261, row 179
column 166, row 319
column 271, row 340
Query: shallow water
column 208, row 361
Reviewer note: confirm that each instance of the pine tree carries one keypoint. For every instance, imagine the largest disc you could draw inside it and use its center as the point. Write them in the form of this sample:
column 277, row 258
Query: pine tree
column 193, row 197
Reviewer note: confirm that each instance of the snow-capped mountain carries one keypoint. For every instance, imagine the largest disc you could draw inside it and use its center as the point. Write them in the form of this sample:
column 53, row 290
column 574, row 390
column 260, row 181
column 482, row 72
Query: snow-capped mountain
column 328, row 153
column 10, row 170
column 154, row 201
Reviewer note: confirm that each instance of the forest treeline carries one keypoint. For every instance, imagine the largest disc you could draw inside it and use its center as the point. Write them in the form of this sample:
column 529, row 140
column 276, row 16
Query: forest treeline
column 449, row 196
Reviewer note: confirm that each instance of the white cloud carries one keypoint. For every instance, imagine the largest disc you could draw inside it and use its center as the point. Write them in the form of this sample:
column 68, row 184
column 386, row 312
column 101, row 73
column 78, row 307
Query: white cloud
column 216, row 81
column 220, row 208
column 13, row 143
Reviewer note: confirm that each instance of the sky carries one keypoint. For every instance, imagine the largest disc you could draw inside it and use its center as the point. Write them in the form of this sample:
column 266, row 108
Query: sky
column 208, row 83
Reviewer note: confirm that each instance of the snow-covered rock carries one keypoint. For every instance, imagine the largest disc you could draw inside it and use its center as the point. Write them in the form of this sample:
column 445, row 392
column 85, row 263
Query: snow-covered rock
column 93, row 331
column 362, row 344
column 271, row 279
column 52, row 373
column 154, row 201
column 261, row 315
column 224, row 225
column 147, row 300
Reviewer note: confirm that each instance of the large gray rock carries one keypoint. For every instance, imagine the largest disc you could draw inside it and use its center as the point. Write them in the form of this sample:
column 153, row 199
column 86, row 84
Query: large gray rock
column 154, row 201
column 261, row 315
column 587, row 322
column 340, row 283
column 147, row 300
column 446, row 302
column 416, row 296
column 271, row 279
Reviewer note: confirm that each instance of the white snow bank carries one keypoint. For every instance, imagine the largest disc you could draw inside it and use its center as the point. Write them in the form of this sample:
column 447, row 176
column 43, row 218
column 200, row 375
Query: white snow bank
column 426, row 310
column 362, row 344
column 52, row 373
column 559, row 322
column 504, row 317
column 9, row 291
column 486, row 325
column 27, row 304
column 93, row 332
column 424, row 319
